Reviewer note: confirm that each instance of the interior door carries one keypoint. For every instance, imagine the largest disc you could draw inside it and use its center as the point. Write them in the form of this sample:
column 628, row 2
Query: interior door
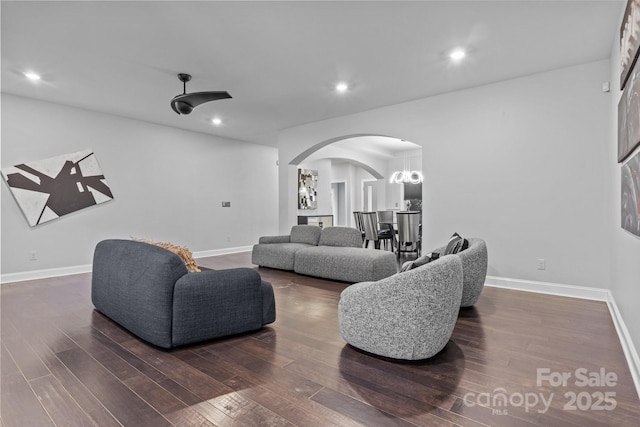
column 339, row 202
column 369, row 196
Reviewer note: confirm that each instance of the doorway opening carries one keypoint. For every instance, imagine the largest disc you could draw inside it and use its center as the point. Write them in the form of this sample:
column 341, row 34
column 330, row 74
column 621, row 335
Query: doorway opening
column 339, row 202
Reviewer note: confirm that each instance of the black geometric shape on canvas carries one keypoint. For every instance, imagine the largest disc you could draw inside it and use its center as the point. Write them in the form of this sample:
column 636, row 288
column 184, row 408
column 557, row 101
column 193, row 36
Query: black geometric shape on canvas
column 68, row 191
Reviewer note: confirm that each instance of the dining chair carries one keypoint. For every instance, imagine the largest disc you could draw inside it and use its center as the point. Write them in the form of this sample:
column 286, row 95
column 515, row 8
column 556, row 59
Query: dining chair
column 373, row 233
column 385, row 217
column 409, row 232
column 357, row 216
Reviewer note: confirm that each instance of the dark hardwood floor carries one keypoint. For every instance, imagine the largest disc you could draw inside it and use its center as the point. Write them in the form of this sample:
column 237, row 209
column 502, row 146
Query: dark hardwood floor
column 64, row 364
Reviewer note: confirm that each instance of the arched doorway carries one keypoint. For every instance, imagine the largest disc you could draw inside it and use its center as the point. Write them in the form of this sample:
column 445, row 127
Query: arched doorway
column 360, row 165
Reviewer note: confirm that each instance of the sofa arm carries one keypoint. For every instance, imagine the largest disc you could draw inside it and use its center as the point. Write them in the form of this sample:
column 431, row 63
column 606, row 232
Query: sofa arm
column 132, row 283
column 274, row 239
column 216, row 303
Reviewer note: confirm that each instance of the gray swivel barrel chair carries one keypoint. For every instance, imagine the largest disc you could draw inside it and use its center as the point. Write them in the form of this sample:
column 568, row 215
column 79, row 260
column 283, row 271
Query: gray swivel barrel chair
column 409, row 315
column 474, row 266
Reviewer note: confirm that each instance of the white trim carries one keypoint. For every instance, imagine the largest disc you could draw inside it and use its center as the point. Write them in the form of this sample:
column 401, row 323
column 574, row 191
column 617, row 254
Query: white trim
column 628, row 348
column 78, row 269
column 225, row 251
column 582, row 292
column 44, row 274
column 597, row 294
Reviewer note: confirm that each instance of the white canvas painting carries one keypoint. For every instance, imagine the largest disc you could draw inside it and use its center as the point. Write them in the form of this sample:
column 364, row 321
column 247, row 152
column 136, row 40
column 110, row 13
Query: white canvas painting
column 48, row 189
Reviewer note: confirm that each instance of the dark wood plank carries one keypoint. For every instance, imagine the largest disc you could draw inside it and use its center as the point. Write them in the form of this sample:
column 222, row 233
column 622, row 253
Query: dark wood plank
column 366, row 414
column 278, row 404
column 19, row 406
column 58, row 403
column 125, row 405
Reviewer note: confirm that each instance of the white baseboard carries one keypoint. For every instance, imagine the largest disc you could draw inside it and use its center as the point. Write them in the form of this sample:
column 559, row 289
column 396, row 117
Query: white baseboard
column 597, row 294
column 225, row 251
column 77, row 269
column 630, row 351
column 44, row 274
column 582, row 292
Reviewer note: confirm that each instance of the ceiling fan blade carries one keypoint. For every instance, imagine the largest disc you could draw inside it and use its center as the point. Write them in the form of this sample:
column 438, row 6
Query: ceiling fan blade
column 198, row 98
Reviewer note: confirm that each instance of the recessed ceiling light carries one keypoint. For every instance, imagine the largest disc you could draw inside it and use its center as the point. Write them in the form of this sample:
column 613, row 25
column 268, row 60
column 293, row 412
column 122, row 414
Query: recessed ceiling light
column 457, row 54
column 32, row 76
column 342, row 87
column 216, row 121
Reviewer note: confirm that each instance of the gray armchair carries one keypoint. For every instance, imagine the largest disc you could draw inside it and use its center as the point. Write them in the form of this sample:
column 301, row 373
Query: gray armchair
column 474, row 266
column 409, row 315
column 148, row 290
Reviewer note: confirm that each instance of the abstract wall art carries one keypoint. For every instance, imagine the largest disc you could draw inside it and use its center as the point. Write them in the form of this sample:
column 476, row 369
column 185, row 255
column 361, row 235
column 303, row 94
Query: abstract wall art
column 48, row 189
column 629, row 116
column 307, row 189
column 629, row 39
column 630, row 220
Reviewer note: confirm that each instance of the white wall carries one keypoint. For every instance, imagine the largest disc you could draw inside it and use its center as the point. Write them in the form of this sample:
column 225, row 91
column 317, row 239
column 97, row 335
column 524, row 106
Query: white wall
column 519, row 163
column 168, row 185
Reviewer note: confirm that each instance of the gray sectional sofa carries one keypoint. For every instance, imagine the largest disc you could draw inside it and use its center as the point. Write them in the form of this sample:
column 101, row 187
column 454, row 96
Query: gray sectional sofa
column 148, row 290
column 410, row 315
column 334, row 253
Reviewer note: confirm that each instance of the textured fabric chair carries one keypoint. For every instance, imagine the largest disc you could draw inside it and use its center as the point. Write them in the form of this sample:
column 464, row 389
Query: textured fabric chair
column 148, row 290
column 280, row 251
column 409, row 315
column 474, row 267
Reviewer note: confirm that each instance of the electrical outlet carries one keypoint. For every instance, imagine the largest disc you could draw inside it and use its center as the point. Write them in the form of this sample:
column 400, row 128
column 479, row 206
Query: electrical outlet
column 228, row 238
column 541, row 264
column 33, row 256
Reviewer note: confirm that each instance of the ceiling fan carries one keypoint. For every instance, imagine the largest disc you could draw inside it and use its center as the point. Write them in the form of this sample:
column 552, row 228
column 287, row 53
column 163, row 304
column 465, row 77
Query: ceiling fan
column 186, row 102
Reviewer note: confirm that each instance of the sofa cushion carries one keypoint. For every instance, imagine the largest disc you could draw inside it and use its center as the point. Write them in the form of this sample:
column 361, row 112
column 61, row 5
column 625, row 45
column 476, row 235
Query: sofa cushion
column 341, row 236
column 307, row 234
column 345, row 264
column 276, row 255
column 456, row 244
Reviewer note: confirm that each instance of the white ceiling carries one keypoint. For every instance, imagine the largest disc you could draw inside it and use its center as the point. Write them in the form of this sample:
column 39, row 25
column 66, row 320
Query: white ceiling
column 378, row 146
column 281, row 60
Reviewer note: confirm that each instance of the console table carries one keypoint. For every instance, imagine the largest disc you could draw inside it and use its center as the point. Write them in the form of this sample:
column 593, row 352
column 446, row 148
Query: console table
column 319, row 220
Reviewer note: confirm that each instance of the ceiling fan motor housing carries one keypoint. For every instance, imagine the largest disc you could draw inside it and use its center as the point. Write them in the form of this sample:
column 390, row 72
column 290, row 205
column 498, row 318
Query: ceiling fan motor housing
column 183, row 107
